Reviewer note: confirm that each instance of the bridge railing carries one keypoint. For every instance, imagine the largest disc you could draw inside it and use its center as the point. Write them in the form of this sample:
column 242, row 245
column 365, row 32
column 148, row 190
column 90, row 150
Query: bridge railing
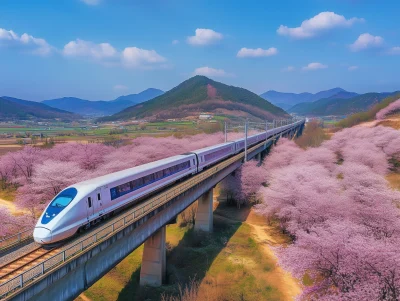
column 127, row 218
column 14, row 239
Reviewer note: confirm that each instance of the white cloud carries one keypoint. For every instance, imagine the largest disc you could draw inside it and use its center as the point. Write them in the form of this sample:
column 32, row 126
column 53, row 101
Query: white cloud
column 91, row 2
column 259, row 52
column 130, row 57
column 318, row 24
column 315, row 66
column 204, row 37
column 174, row 42
column 133, row 57
column 352, row 68
column 120, row 87
column 89, row 49
column 394, row 50
column 366, row 41
column 208, row 71
column 288, row 69
column 34, row 45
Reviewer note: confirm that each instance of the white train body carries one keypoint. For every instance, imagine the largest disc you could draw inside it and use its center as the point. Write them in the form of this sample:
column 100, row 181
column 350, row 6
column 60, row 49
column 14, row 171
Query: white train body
column 84, row 204
column 101, row 196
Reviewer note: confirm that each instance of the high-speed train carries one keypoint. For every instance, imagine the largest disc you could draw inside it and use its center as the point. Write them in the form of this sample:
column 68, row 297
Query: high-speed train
column 84, row 204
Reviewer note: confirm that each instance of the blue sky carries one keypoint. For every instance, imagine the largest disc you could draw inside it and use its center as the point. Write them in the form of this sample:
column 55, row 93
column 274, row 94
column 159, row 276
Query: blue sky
column 100, row 49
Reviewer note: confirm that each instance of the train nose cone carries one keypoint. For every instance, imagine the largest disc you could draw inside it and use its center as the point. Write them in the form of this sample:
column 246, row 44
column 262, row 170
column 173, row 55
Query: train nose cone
column 42, row 235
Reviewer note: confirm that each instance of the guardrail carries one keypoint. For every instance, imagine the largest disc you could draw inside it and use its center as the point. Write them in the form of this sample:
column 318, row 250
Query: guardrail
column 128, row 218
column 15, row 238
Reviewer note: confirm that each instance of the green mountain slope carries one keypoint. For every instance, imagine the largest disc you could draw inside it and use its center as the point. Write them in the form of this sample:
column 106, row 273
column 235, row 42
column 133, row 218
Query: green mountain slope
column 339, row 106
column 201, row 94
column 14, row 108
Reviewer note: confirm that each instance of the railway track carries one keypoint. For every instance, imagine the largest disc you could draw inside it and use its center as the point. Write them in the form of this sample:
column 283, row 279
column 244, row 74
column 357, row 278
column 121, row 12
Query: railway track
column 25, row 262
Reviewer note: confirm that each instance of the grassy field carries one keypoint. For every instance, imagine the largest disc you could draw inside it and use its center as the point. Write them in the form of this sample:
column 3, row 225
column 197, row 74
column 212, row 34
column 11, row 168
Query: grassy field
column 233, row 263
column 14, row 135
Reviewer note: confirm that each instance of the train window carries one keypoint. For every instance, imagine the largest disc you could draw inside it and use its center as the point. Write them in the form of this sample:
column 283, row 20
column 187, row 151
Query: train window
column 148, row 179
column 216, row 154
column 128, row 187
column 98, row 197
column 89, row 199
column 159, row 175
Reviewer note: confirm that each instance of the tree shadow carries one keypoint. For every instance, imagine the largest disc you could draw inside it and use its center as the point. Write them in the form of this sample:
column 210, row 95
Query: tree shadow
column 192, row 257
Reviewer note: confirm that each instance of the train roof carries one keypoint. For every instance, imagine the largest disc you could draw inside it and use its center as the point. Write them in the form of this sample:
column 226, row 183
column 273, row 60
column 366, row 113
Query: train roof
column 122, row 174
column 211, row 147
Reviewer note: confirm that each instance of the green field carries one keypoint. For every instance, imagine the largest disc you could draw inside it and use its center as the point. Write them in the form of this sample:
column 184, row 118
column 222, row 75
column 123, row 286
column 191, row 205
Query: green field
column 15, row 135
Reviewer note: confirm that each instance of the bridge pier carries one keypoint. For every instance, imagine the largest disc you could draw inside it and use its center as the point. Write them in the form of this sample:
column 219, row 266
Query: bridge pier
column 153, row 269
column 204, row 214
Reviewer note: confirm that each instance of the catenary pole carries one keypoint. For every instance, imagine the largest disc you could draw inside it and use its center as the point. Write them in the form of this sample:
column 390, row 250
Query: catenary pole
column 245, row 141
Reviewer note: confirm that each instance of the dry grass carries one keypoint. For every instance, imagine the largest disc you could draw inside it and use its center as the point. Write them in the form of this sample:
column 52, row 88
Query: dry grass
column 8, row 194
column 394, row 180
column 188, row 216
column 313, row 135
column 393, row 121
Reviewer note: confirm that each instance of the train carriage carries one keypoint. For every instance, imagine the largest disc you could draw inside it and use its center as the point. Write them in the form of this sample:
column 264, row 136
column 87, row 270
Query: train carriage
column 86, row 202
column 210, row 155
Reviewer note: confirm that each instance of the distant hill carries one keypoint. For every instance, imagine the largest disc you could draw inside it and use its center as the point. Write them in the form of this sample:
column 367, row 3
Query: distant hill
column 140, row 97
column 101, row 107
column 201, row 94
column 339, row 106
column 14, row 108
column 288, row 100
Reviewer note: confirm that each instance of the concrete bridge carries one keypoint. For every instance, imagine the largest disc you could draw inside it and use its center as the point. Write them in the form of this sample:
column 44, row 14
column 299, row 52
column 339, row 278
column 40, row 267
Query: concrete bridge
column 82, row 262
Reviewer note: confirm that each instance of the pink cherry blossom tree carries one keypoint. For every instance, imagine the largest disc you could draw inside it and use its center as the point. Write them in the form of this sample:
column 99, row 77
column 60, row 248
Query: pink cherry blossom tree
column 393, row 107
column 336, row 204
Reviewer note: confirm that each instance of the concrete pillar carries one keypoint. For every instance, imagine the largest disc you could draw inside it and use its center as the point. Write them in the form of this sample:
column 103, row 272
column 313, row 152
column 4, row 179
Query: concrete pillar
column 152, row 271
column 259, row 157
column 204, row 214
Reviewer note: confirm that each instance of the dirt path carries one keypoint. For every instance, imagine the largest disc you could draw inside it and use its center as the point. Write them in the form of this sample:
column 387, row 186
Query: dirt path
column 83, row 298
column 288, row 285
column 374, row 123
column 368, row 124
column 11, row 206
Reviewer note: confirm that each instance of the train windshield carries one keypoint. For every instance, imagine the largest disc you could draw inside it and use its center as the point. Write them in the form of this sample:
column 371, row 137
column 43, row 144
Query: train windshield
column 64, row 198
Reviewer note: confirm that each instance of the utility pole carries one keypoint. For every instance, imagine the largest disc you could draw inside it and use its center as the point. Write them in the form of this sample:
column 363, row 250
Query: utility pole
column 225, row 133
column 245, row 141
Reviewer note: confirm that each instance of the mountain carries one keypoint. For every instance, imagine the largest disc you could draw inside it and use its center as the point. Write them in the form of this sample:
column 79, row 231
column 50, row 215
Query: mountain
column 201, row 94
column 339, row 106
column 14, row 108
column 140, row 97
column 101, row 107
column 87, row 107
column 288, row 100
column 305, row 107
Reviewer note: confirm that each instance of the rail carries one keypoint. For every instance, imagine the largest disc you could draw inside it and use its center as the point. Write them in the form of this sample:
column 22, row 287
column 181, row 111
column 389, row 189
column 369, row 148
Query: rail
column 127, row 218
